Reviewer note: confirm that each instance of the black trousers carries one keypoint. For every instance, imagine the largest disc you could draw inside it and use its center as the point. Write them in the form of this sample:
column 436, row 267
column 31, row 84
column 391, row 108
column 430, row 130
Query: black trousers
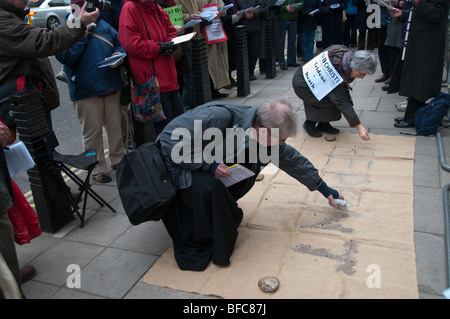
column 204, row 219
column 411, row 109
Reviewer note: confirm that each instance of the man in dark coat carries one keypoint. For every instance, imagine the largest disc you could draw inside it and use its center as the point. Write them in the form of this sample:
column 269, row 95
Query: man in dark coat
column 419, row 75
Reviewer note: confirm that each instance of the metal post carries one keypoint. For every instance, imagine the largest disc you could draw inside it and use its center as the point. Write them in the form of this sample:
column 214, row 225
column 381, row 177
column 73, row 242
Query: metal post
column 52, row 207
column 270, row 48
column 202, row 84
column 243, row 75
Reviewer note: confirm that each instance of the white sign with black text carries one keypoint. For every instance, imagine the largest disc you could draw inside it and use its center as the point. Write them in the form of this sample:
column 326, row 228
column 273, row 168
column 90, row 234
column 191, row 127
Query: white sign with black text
column 321, row 76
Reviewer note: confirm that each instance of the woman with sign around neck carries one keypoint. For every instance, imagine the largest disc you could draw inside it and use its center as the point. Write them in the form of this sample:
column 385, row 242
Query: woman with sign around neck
column 322, row 85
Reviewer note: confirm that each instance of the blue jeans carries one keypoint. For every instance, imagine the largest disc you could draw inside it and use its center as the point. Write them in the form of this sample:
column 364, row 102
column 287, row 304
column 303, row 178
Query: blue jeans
column 291, row 28
column 306, row 38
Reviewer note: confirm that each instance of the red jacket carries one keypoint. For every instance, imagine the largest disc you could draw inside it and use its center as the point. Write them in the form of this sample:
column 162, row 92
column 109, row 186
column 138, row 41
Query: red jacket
column 141, row 51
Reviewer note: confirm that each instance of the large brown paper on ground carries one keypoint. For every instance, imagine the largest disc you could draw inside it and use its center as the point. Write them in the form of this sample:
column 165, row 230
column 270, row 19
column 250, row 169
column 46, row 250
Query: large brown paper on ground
column 314, row 250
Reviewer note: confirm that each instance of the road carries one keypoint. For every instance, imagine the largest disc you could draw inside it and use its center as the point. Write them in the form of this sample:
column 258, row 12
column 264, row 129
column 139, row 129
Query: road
column 65, row 125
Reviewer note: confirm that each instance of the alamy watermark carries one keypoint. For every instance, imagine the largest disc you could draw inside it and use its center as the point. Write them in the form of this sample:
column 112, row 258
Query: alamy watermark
column 374, row 279
column 74, row 279
column 210, row 145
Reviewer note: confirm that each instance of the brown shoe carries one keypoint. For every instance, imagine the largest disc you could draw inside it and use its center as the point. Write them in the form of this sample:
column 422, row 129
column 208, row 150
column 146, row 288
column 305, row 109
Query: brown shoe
column 381, row 79
column 26, row 273
column 388, row 81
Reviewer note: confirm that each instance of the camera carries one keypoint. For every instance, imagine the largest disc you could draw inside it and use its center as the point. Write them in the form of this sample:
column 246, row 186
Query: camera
column 102, row 5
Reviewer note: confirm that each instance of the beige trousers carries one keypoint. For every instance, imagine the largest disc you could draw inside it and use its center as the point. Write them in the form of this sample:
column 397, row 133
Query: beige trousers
column 97, row 113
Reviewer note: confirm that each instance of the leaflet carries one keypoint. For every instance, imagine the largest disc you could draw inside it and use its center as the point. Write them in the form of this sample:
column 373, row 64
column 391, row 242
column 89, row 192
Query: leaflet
column 248, row 9
column 191, row 23
column 208, row 15
column 111, row 60
column 279, row 2
column 18, row 159
column 183, row 38
column 238, row 173
column 225, row 8
column 384, row 4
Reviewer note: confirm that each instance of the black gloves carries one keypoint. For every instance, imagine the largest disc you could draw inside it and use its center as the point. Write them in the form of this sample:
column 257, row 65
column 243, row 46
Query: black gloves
column 167, row 48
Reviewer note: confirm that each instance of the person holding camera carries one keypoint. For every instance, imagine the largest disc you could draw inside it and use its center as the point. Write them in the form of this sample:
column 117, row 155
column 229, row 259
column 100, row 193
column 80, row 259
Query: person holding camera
column 155, row 48
column 26, row 48
column 95, row 92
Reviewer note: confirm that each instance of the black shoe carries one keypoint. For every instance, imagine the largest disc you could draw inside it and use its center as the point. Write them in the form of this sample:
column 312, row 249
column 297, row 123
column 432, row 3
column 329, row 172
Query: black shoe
column 283, row 67
column 252, row 77
column 403, row 124
column 385, row 88
column 327, row 128
column 218, row 95
column 294, row 65
column 311, row 129
column 399, row 119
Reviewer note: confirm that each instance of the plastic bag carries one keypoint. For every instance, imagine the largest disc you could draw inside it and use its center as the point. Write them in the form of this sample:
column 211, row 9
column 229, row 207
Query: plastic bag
column 23, row 218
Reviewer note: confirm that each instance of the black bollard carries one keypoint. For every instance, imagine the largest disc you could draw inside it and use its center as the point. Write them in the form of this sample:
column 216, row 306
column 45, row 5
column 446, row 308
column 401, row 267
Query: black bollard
column 50, row 199
column 243, row 75
column 202, row 85
column 271, row 50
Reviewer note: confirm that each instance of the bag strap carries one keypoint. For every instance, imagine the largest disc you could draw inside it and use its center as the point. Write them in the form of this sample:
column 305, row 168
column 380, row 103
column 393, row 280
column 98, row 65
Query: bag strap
column 148, row 34
column 98, row 36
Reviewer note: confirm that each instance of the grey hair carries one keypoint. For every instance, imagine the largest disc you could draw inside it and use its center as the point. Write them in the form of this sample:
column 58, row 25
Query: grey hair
column 278, row 113
column 364, row 60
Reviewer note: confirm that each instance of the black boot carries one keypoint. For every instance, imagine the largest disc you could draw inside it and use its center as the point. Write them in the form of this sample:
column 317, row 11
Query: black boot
column 311, row 129
column 327, row 128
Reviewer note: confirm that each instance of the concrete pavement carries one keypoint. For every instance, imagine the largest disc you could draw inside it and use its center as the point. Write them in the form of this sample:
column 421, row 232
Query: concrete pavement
column 113, row 255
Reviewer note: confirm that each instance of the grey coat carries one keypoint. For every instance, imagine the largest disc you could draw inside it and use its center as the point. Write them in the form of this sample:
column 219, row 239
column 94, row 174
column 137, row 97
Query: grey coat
column 420, row 74
column 338, row 102
column 223, row 115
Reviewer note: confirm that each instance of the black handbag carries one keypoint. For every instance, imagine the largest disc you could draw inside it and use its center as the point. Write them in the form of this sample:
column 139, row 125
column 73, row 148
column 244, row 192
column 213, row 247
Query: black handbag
column 144, row 184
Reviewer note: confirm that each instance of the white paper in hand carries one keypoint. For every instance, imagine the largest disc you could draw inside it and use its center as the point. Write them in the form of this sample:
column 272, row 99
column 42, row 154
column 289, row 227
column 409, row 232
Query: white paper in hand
column 18, row 159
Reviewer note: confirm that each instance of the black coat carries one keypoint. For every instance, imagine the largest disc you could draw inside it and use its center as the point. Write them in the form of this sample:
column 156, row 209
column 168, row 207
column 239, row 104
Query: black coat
column 420, row 74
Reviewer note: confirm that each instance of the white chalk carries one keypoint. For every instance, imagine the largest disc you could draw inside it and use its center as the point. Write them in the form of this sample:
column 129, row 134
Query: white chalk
column 342, row 204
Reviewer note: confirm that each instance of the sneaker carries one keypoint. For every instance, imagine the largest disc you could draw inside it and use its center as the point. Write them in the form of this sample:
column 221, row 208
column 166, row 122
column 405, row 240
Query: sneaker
column 102, row 178
column 311, row 129
column 401, row 106
column 327, row 128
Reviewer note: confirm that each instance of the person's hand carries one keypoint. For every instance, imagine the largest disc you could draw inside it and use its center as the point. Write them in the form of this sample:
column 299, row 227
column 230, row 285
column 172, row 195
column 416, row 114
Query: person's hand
column 221, row 171
column 195, row 16
column 88, row 17
column 115, row 65
column 332, row 202
column 395, row 13
column 290, row 8
column 179, row 28
column 363, row 134
column 221, row 14
column 5, row 135
column 249, row 14
column 167, row 48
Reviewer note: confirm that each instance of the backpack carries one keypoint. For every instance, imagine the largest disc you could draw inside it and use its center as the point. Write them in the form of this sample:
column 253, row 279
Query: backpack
column 429, row 117
column 144, row 184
